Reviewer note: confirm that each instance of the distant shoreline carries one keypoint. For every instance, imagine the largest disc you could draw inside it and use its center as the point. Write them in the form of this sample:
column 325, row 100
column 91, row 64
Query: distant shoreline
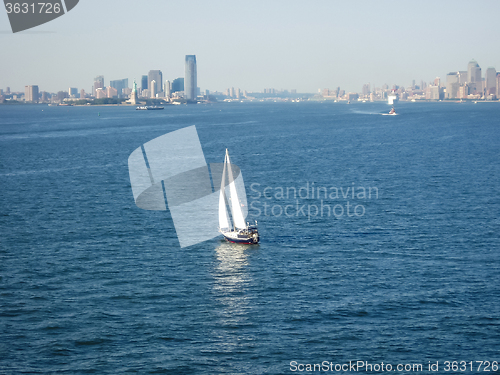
column 270, row 100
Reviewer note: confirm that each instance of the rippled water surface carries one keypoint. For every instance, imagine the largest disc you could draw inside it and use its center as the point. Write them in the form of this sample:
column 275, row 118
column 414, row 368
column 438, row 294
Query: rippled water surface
column 407, row 272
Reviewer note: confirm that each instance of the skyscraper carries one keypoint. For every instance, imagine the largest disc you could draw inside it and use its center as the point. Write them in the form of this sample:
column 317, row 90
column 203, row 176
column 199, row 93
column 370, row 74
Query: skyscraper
column 167, row 89
column 100, row 93
column 462, row 77
column 474, row 75
column 190, row 78
column 144, row 83
column 498, row 84
column 111, row 92
column 366, row 89
column 157, row 76
column 491, row 85
column 119, row 85
column 152, row 92
column 98, row 84
column 178, row 85
column 31, row 94
column 452, row 85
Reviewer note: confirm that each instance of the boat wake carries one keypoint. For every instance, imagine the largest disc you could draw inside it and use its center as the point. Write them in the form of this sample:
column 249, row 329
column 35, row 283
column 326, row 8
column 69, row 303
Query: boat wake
column 365, row 112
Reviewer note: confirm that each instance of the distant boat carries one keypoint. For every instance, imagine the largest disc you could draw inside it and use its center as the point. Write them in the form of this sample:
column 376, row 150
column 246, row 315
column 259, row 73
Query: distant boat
column 392, row 98
column 392, row 112
column 148, row 108
column 242, row 232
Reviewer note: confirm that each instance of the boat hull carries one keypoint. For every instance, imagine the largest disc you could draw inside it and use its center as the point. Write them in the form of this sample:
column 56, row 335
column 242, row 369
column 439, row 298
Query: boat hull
column 247, row 239
column 148, row 108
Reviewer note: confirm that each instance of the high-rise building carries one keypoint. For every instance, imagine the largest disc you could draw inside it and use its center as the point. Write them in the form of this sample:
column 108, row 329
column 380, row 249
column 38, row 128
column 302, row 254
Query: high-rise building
column 82, row 94
column 352, row 96
column 61, row 95
column 152, row 84
column 111, row 92
column 434, row 93
column 190, row 78
column 366, row 89
column 100, row 93
column 474, row 75
column 167, row 89
column 157, row 76
column 462, row 77
column 452, row 85
column 31, row 94
column 119, row 85
column 144, row 83
column 73, row 92
column 98, row 84
column 178, row 85
column 498, row 85
column 491, row 84
column 463, row 92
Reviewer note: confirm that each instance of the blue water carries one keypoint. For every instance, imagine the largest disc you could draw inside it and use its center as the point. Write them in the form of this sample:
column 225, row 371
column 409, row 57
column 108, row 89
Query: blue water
column 89, row 283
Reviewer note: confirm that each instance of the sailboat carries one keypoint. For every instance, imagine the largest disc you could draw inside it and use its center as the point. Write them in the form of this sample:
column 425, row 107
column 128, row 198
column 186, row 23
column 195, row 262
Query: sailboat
column 241, row 232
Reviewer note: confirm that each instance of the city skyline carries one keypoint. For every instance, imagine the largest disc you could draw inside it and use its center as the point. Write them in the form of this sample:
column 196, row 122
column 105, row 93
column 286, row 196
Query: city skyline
column 466, row 84
column 253, row 45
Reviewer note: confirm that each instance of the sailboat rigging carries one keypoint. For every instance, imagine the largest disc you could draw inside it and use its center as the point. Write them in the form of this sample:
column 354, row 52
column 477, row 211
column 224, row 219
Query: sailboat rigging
column 237, row 231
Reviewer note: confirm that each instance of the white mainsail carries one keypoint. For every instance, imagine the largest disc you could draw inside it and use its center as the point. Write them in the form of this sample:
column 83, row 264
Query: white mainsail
column 236, row 212
column 224, row 222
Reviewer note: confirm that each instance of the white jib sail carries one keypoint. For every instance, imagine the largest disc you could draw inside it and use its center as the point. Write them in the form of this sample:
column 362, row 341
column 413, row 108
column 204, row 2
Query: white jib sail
column 223, row 216
column 238, row 219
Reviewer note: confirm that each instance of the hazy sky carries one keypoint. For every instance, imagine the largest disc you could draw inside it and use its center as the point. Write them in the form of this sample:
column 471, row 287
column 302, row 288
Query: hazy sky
column 253, row 44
